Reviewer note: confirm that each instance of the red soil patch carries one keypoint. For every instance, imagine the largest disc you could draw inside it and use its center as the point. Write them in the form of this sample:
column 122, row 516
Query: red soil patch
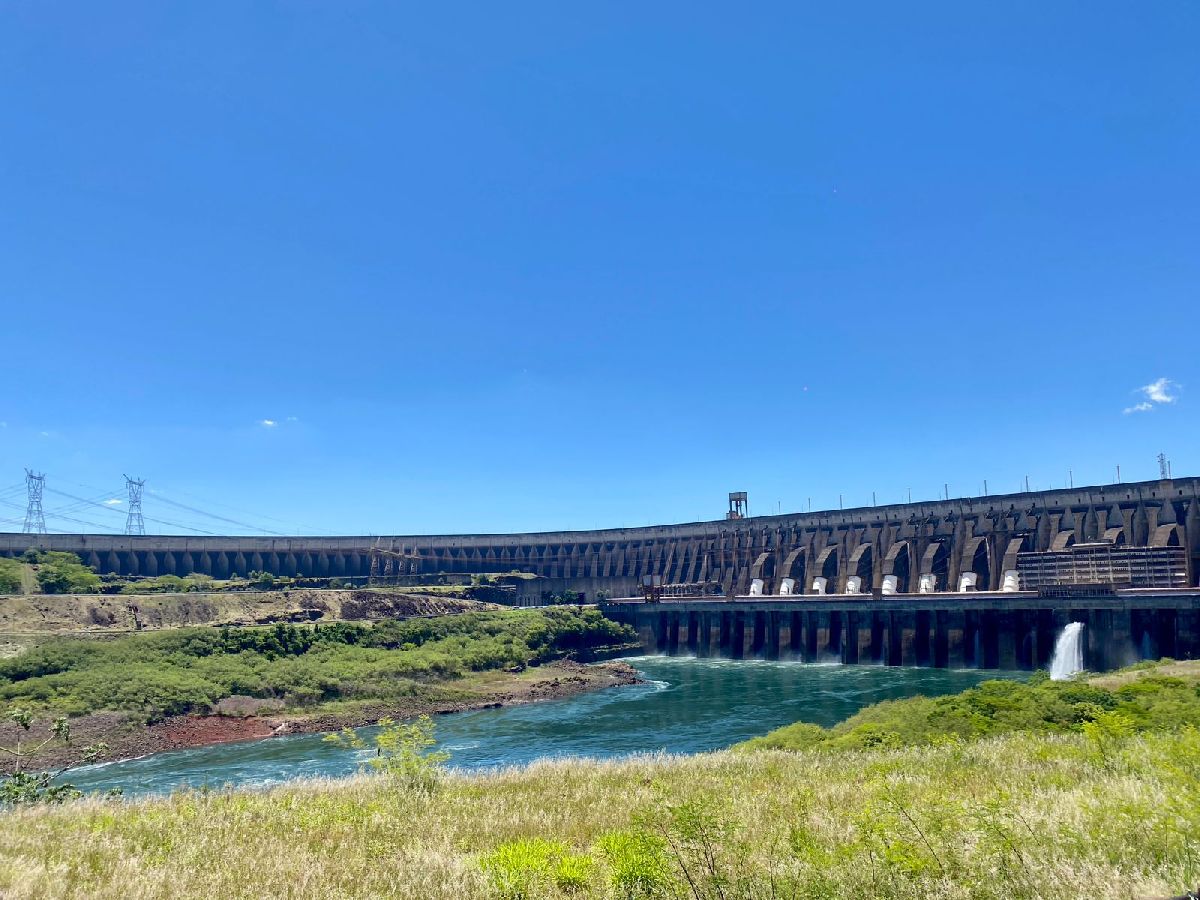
column 199, row 731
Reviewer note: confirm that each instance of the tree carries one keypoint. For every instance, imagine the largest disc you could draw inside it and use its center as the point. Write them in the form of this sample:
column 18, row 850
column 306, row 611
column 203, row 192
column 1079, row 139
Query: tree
column 262, row 580
column 21, row 787
column 64, row 573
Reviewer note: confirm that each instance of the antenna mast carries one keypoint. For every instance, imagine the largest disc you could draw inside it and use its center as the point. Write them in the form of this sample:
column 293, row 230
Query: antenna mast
column 1164, row 467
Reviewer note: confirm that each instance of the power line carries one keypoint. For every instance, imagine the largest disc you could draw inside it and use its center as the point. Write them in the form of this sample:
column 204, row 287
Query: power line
column 134, row 522
column 158, row 495
column 35, row 520
column 118, row 512
column 201, row 512
column 312, row 528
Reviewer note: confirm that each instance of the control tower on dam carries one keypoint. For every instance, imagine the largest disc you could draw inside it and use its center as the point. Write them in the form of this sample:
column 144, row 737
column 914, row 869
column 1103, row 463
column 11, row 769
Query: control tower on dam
column 964, row 545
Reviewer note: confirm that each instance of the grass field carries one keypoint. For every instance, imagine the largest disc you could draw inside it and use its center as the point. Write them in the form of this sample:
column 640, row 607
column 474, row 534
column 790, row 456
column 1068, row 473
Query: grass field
column 1017, row 816
column 1106, row 806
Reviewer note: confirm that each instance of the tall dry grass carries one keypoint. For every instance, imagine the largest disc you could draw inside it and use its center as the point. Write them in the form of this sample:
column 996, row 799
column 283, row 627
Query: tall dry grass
column 1019, row 816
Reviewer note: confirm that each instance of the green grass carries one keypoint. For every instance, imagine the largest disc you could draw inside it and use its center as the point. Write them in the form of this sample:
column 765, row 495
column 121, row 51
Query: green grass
column 1044, row 790
column 1022, row 815
column 188, row 670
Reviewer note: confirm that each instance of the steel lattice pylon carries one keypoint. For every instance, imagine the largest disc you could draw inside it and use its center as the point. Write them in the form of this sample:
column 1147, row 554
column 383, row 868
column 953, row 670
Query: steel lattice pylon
column 35, row 519
column 134, row 523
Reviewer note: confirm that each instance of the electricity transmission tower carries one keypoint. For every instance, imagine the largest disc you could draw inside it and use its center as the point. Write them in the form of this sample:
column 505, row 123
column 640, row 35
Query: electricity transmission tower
column 35, row 520
column 134, row 523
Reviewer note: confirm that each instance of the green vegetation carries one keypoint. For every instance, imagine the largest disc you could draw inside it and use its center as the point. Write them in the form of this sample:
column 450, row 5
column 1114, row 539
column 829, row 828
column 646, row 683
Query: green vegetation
column 10, row 575
column 58, row 573
column 1089, row 788
column 168, row 584
column 65, row 573
column 1023, row 815
column 403, row 752
column 1153, row 702
column 189, row 670
column 22, row 787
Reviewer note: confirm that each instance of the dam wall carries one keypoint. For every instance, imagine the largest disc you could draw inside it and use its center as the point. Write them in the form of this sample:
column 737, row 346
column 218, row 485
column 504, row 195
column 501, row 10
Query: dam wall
column 985, row 631
column 940, row 540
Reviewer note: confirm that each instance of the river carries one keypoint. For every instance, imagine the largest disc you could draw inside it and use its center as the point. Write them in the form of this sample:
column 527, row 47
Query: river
column 686, row 706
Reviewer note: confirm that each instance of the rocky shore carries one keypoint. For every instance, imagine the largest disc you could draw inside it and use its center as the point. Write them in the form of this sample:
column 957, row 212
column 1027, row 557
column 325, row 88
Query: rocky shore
column 127, row 736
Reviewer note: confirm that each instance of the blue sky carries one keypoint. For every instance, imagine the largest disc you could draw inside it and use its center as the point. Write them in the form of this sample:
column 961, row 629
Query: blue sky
column 532, row 266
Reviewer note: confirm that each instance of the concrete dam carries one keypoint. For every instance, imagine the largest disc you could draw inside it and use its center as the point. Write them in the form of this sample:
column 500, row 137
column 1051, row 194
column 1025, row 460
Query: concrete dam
column 979, row 580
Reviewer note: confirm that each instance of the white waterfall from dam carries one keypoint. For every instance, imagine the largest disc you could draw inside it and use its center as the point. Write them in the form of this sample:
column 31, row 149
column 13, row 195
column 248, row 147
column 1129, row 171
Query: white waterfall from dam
column 1068, row 653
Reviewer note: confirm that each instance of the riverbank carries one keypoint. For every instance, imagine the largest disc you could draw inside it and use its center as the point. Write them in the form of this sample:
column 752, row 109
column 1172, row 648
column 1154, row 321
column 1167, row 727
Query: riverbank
column 128, row 736
column 60, row 614
column 1019, row 816
column 175, row 688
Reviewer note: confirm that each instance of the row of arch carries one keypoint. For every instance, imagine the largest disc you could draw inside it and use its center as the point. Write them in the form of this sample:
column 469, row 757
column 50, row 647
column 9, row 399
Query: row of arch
column 218, row 564
column 902, row 569
column 904, row 562
column 941, row 547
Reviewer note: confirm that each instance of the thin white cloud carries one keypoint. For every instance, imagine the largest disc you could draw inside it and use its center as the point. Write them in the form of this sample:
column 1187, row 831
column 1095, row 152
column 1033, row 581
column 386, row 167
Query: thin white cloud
column 1163, row 390
column 268, row 423
column 1160, row 391
column 113, row 502
column 292, row 419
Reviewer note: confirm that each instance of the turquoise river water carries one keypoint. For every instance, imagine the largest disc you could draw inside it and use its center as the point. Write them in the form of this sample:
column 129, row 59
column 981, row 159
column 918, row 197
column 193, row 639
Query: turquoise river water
column 686, row 706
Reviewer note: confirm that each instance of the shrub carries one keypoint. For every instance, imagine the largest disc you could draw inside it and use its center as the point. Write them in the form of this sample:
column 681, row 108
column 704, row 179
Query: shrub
column 520, row 870
column 64, row 573
column 998, row 707
column 637, row 863
column 401, row 752
column 189, row 669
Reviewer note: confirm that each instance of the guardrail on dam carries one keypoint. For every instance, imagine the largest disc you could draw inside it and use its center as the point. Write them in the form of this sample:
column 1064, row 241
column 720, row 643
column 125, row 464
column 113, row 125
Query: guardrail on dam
column 933, row 543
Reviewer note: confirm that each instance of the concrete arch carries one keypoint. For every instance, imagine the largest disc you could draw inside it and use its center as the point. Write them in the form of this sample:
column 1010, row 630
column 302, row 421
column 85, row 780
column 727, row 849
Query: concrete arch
column 1168, row 536
column 201, row 563
column 795, row 566
column 861, row 564
column 898, row 562
column 1115, row 536
column 977, row 558
column 764, row 568
column 1063, row 540
column 827, row 567
column 935, row 565
column 1015, row 546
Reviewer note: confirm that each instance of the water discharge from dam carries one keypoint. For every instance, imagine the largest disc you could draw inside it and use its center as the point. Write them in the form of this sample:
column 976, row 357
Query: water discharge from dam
column 1068, row 653
column 685, row 706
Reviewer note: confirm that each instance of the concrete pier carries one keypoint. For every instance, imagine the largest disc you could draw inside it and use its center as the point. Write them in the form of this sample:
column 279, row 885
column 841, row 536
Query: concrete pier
column 1012, row 630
